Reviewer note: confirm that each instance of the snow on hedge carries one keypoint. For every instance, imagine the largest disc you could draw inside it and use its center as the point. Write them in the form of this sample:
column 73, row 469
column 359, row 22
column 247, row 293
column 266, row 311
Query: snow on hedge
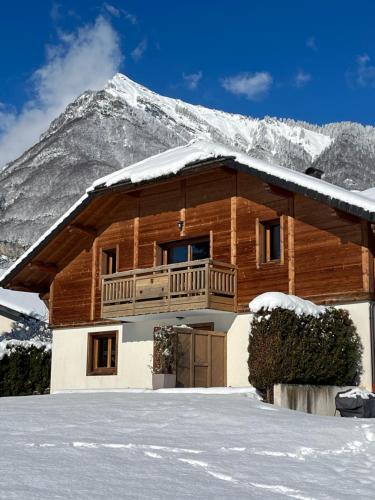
column 272, row 300
column 8, row 346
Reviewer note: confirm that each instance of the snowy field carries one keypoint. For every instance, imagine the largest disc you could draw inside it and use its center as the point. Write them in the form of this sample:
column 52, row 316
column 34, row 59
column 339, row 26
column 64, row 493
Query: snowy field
column 162, row 445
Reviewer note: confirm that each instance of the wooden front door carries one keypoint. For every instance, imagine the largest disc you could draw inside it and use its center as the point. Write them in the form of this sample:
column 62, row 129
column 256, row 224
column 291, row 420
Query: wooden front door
column 201, row 360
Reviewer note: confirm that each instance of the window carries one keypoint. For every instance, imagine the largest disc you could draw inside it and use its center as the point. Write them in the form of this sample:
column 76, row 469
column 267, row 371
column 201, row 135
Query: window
column 270, row 241
column 102, row 353
column 109, row 261
column 186, row 251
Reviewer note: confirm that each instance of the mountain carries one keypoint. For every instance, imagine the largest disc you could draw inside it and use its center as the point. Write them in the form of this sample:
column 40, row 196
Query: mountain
column 125, row 122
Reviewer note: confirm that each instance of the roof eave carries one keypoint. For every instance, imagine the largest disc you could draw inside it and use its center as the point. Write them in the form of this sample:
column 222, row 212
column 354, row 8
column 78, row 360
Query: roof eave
column 305, row 191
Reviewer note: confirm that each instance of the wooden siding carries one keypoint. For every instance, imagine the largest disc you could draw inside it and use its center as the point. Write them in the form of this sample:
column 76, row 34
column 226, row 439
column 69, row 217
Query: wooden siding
column 326, row 256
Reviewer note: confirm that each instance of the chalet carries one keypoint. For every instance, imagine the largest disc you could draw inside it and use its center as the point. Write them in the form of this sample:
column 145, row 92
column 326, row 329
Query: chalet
column 190, row 236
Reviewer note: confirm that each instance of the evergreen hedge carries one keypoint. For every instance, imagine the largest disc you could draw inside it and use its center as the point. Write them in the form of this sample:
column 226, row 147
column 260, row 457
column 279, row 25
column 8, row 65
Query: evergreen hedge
column 290, row 349
column 25, row 370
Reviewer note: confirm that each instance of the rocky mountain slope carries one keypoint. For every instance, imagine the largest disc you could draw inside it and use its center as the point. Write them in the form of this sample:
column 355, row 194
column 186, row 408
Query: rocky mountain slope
column 106, row 130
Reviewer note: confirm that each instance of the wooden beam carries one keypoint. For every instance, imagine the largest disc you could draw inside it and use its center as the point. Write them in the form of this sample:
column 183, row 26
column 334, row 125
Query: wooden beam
column 94, row 278
column 233, row 226
column 345, row 216
column 136, row 237
column 44, row 266
column 22, row 287
column 86, row 230
column 278, row 191
column 367, row 258
column 257, row 242
column 183, row 207
column 291, row 251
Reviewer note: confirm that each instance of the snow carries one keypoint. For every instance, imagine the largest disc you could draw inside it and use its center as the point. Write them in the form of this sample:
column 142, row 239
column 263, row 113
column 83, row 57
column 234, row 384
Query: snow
column 7, row 346
column 45, row 235
column 271, row 300
column 369, row 193
column 175, row 159
column 237, row 129
column 23, row 302
column 149, row 446
column 357, row 391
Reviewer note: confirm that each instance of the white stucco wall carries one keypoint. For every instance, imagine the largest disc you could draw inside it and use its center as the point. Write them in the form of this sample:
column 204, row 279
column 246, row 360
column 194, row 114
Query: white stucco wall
column 237, row 351
column 135, row 346
column 5, row 324
column 360, row 314
column 69, row 359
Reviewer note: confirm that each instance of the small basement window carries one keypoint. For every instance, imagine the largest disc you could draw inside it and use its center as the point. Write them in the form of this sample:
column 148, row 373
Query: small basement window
column 109, row 261
column 102, row 353
column 270, row 241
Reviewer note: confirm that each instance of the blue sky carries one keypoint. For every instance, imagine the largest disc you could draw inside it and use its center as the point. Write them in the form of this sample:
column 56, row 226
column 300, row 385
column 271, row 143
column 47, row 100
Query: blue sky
column 306, row 60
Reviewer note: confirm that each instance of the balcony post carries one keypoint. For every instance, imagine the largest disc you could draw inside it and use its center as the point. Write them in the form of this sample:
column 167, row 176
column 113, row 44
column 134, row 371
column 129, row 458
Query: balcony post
column 208, row 277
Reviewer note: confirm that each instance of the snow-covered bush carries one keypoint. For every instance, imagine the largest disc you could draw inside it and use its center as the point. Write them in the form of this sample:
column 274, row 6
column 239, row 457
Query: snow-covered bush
column 290, row 348
column 25, row 358
column 165, row 349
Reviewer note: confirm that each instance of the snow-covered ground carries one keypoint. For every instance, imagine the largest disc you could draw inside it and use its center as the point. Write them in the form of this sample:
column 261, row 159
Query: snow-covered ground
column 169, row 445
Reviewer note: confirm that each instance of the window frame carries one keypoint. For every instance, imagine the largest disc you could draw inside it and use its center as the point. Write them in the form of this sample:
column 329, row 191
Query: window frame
column 165, row 246
column 91, row 370
column 264, row 241
column 103, row 253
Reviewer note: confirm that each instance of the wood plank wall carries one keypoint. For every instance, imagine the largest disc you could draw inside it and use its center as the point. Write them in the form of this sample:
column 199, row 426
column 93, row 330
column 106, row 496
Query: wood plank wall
column 323, row 257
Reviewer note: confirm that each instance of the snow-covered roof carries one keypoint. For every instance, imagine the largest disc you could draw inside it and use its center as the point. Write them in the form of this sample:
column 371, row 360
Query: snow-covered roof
column 172, row 161
column 192, row 155
column 23, row 302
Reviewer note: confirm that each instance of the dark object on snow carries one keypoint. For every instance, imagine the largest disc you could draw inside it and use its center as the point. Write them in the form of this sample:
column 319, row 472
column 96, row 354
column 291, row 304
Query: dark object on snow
column 355, row 406
column 314, row 172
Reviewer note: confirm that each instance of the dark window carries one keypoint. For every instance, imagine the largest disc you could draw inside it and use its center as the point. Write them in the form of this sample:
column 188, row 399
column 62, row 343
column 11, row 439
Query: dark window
column 109, row 261
column 177, row 254
column 200, row 250
column 102, row 353
column 270, row 241
column 186, row 251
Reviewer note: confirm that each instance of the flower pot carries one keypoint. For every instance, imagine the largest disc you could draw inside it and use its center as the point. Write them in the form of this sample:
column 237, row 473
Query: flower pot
column 163, row 380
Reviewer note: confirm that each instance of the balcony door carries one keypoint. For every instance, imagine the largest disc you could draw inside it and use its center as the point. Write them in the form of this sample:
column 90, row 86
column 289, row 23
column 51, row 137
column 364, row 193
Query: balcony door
column 185, row 251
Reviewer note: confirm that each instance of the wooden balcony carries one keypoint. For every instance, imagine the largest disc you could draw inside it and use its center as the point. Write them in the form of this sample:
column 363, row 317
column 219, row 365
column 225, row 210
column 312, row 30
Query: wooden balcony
column 200, row 284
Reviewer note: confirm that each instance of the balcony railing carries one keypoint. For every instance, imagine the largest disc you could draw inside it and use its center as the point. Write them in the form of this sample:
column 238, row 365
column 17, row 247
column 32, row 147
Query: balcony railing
column 200, row 284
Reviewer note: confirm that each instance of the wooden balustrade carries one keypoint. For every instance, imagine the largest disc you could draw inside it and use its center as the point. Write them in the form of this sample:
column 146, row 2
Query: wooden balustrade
column 200, row 284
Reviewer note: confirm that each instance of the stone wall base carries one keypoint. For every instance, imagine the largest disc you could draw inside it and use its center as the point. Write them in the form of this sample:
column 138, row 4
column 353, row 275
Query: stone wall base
column 315, row 399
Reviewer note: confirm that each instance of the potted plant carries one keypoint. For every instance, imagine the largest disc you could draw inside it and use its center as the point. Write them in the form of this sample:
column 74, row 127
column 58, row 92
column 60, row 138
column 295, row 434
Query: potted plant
column 164, row 359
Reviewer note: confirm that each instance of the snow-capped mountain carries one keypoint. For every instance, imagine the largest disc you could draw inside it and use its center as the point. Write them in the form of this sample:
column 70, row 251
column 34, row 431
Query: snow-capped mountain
column 125, row 122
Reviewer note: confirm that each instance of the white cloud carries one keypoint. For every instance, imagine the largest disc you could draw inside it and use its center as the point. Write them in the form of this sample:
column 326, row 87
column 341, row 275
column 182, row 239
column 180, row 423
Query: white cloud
column 253, row 86
column 140, row 49
column 114, row 11
column 301, row 78
column 111, row 9
column 311, row 43
column 82, row 60
column 192, row 79
column 365, row 72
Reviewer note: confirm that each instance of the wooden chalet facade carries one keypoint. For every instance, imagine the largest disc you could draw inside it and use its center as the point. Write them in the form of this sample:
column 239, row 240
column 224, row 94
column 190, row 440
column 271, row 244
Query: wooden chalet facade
column 197, row 244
